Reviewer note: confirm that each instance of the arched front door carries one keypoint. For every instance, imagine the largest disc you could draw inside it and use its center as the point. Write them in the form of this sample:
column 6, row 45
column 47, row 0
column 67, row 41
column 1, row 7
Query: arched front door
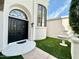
column 17, row 26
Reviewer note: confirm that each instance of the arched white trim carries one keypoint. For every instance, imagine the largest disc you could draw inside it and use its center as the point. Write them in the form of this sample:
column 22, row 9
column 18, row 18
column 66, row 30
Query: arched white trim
column 19, row 14
column 5, row 26
column 22, row 8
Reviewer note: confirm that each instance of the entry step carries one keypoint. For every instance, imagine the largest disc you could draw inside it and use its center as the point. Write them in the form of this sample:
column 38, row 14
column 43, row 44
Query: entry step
column 23, row 47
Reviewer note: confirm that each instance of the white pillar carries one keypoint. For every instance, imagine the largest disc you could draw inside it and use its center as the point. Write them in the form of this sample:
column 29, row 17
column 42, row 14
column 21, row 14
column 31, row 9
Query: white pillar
column 75, row 48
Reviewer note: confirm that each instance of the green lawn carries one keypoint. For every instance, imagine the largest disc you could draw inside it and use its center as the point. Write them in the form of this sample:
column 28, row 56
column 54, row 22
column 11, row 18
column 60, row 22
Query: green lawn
column 13, row 57
column 51, row 46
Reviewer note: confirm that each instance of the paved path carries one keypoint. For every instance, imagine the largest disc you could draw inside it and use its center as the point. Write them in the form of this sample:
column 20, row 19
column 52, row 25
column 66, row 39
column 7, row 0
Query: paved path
column 38, row 54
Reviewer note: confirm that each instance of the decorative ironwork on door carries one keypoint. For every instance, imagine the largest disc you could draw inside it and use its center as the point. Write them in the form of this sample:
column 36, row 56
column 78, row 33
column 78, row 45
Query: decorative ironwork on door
column 17, row 26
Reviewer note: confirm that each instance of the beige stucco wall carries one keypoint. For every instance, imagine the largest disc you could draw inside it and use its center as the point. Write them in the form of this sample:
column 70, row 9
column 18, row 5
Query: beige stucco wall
column 65, row 23
column 40, row 32
column 54, row 27
column 43, row 2
column 58, row 26
column 1, row 30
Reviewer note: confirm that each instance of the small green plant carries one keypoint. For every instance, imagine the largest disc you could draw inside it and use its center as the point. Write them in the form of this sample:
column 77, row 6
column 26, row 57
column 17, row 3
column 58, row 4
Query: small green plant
column 74, row 16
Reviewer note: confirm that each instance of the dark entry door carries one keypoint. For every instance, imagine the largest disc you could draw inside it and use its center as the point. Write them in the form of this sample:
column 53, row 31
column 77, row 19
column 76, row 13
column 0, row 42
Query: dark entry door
column 17, row 29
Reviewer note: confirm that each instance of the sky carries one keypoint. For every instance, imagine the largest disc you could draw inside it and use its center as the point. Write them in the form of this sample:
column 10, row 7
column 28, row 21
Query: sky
column 58, row 8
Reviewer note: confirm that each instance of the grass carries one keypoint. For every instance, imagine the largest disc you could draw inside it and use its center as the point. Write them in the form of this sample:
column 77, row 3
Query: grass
column 51, row 46
column 12, row 57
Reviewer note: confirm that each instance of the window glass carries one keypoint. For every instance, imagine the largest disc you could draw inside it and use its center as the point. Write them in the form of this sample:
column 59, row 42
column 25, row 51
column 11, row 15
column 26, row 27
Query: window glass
column 45, row 16
column 41, row 20
column 39, row 16
column 17, row 14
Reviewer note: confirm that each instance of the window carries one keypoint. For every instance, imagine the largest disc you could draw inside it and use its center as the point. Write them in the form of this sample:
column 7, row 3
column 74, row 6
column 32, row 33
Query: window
column 17, row 14
column 42, row 16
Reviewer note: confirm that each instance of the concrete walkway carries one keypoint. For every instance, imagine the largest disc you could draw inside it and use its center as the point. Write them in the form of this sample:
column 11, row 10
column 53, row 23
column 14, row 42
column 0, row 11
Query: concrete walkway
column 38, row 54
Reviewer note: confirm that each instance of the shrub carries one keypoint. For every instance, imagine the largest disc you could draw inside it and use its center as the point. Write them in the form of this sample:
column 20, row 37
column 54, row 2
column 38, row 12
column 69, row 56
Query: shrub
column 74, row 16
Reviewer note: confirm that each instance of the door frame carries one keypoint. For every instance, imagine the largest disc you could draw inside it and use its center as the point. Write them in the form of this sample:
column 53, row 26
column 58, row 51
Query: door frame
column 23, row 16
column 20, row 20
column 5, row 23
